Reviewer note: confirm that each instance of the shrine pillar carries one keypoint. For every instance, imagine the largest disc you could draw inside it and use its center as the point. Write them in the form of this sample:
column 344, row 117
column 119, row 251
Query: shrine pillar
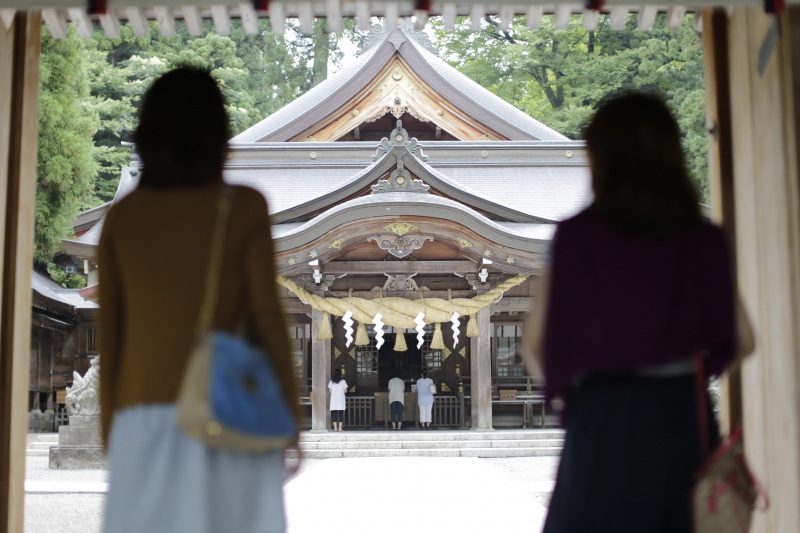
column 755, row 60
column 20, row 41
column 481, row 372
column 320, row 374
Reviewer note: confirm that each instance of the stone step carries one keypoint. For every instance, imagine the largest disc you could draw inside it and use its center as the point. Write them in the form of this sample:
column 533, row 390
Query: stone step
column 433, row 435
column 42, row 437
column 435, row 452
column 37, row 453
column 42, row 445
column 430, row 444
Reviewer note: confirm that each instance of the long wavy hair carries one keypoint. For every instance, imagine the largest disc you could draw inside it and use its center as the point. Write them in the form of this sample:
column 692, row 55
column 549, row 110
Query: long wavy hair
column 183, row 131
column 639, row 175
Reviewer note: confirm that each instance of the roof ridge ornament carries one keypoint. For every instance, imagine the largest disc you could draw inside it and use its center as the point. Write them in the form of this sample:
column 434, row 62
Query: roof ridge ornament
column 400, row 181
column 378, row 32
column 399, row 137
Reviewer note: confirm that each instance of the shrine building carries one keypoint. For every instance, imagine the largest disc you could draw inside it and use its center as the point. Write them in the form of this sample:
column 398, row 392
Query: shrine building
column 399, row 187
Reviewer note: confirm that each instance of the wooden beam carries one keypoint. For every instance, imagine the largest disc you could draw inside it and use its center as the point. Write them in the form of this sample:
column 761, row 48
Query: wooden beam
column 7, row 18
column 399, row 267
column 222, row 21
column 720, row 148
column 277, row 18
column 110, row 23
column 334, row 10
column 249, row 18
column 165, row 19
column 647, row 16
column 80, row 18
column 56, row 23
column 19, row 68
column 448, row 16
column 619, row 16
column 764, row 62
column 137, row 20
column 193, row 20
column 562, row 16
column 534, row 16
column 675, row 15
column 590, row 19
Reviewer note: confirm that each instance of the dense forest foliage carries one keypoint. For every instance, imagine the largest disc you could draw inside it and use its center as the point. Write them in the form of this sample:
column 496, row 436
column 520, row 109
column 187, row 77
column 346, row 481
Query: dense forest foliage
column 91, row 89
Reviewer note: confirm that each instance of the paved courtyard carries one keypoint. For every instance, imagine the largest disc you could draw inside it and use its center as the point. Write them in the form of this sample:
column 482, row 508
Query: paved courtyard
column 439, row 495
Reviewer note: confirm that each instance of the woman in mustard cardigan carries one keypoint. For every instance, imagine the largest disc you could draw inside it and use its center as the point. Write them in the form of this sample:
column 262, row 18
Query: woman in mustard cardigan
column 153, row 257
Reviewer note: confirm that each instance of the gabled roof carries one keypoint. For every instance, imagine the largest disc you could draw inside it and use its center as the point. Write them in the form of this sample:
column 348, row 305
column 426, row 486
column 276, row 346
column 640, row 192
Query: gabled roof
column 399, row 153
column 332, row 99
column 66, row 299
column 545, row 180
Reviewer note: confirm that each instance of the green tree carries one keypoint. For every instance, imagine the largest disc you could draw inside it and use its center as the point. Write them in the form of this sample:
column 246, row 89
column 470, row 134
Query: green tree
column 66, row 165
column 560, row 76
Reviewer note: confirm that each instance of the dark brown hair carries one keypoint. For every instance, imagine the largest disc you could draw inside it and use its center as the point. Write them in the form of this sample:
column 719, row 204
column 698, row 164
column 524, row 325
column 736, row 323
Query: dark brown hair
column 639, row 175
column 183, row 130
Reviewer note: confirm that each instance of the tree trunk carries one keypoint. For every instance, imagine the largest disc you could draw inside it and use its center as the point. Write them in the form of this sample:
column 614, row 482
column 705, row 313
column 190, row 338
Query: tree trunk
column 321, row 50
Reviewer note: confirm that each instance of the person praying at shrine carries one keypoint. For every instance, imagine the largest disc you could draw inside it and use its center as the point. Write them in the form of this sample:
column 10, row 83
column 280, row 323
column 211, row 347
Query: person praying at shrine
column 397, row 388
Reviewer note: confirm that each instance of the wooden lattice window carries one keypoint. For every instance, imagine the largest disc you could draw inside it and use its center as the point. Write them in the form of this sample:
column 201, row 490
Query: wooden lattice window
column 299, row 339
column 431, row 359
column 508, row 352
column 90, row 340
column 367, row 361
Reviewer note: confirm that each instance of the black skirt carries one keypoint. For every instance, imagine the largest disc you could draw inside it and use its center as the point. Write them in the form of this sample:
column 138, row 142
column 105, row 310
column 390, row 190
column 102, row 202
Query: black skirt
column 631, row 451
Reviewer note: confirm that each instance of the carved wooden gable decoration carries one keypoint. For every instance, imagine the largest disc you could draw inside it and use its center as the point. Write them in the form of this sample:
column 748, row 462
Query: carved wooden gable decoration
column 398, row 93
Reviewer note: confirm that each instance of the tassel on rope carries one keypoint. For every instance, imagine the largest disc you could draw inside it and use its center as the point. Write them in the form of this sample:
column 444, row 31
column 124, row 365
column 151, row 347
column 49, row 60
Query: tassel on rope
column 400, row 341
column 325, row 333
column 362, row 339
column 437, row 343
column 472, row 327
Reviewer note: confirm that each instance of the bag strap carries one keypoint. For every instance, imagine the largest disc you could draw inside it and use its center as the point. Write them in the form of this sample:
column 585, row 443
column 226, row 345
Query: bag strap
column 204, row 319
column 702, row 409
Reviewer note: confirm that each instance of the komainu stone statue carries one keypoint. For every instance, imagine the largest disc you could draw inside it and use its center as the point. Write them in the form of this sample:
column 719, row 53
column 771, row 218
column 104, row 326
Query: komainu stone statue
column 83, row 398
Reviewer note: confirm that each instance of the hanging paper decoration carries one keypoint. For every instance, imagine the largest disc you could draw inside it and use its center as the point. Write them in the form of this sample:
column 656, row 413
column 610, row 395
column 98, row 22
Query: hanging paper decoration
column 325, row 333
column 437, row 343
column 378, row 330
column 362, row 339
column 400, row 341
column 472, row 327
column 456, row 328
column 420, row 329
column 348, row 327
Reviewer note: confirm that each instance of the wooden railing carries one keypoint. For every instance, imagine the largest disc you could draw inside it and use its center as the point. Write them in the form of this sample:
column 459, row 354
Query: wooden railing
column 359, row 411
column 448, row 411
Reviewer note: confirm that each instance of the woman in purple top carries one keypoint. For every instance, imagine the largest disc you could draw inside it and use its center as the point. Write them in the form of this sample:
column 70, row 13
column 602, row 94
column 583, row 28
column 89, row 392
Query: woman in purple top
column 638, row 284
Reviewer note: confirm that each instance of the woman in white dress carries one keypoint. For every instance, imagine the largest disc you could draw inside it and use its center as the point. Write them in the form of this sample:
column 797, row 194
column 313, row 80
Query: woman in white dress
column 425, row 391
column 337, row 386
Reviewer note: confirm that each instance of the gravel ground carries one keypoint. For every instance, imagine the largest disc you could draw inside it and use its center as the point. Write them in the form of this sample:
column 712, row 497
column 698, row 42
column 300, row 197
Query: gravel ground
column 526, row 478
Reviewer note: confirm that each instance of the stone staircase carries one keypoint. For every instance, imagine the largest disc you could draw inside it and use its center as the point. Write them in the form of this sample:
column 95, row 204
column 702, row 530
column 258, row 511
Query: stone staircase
column 405, row 443
column 433, row 443
column 39, row 444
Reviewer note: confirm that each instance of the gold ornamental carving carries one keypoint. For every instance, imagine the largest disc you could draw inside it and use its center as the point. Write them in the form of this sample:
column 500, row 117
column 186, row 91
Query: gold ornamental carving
column 464, row 243
column 400, row 228
column 337, row 244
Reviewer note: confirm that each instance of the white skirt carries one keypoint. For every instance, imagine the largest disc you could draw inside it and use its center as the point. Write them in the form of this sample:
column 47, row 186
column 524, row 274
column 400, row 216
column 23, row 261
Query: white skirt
column 162, row 481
